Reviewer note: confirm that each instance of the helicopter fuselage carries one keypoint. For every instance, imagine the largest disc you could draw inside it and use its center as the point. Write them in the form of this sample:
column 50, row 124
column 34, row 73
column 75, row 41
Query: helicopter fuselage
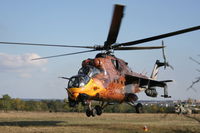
column 103, row 79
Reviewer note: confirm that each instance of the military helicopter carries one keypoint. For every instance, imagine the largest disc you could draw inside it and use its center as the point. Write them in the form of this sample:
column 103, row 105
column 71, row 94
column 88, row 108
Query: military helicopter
column 108, row 79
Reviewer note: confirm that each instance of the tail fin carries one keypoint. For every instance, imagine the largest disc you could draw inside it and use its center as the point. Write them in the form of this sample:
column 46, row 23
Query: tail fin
column 154, row 73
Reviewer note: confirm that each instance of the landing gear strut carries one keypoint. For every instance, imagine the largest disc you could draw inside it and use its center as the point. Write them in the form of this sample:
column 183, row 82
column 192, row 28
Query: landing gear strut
column 72, row 103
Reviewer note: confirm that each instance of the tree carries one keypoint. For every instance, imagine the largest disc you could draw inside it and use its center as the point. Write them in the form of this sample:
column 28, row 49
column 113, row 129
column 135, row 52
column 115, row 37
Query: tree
column 6, row 102
column 18, row 104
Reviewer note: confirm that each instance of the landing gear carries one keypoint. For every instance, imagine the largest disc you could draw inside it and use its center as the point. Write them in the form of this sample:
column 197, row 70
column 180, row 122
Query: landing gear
column 92, row 113
column 130, row 99
column 139, row 108
column 72, row 103
column 97, row 110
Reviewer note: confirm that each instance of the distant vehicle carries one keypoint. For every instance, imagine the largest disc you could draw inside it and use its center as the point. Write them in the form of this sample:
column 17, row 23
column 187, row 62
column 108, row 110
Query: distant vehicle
column 185, row 108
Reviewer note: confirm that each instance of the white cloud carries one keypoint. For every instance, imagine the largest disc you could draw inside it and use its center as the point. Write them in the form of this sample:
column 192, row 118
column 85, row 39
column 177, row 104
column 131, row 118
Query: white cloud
column 22, row 64
column 20, row 61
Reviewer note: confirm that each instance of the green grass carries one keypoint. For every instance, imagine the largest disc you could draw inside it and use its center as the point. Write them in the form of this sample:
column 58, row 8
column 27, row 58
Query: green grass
column 43, row 122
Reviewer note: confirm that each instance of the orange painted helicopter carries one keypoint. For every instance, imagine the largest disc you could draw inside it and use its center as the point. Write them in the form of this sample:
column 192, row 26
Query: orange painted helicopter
column 108, row 79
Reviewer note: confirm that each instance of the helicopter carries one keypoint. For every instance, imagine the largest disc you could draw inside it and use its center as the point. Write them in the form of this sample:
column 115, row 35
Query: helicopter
column 108, row 79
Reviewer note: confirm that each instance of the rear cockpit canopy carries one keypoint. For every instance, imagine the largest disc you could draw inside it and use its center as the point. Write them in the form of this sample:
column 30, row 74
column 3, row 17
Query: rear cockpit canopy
column 89, row 71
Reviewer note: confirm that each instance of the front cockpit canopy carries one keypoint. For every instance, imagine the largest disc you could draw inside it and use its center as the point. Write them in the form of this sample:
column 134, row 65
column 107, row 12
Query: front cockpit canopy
column 78, row 81
column 83, row 77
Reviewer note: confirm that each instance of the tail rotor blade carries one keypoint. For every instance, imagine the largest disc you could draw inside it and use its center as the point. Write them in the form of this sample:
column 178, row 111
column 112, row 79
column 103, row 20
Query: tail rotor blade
column 168, row 65
column 163, row 51
column 164, row 57
column 194, row 60
column 171, row 67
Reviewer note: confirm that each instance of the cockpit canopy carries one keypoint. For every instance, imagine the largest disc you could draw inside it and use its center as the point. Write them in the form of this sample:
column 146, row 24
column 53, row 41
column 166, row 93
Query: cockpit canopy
column 78, row 81
column 83, row 77
column 89, row 70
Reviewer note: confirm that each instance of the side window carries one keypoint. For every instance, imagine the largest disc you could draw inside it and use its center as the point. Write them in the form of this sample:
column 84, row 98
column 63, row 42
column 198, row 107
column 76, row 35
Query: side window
column 116, row 64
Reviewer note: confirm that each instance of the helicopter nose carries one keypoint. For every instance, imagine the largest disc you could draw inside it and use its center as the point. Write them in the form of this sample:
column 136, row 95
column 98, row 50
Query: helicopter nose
column 75, row 95
column 72, row 95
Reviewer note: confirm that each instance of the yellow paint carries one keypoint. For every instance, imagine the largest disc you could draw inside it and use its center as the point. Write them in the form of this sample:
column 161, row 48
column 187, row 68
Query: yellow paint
column 93, row 87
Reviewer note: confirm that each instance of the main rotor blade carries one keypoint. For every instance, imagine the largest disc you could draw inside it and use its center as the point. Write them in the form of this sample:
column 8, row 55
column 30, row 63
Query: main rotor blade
column 41, row 44
column 115, row 25
column 139, row 48
column 64, row 54
column 64, row 78
column 158, row 37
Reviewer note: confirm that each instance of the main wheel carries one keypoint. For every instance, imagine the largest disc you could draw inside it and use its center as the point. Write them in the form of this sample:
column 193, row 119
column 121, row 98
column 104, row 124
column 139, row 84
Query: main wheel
column 93, row 112
column 98, row 109
column 139, row 108
column 88, row 112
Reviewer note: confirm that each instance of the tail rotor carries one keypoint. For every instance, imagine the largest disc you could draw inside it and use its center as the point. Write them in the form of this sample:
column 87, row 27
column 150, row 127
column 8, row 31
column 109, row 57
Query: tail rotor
column 166, row 64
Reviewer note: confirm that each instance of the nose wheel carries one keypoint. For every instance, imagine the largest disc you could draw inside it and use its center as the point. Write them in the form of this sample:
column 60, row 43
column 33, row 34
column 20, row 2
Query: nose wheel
column 72, row 103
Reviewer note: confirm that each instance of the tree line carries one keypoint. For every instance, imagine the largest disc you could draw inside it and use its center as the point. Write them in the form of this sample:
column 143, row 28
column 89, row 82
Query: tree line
column 15, row 104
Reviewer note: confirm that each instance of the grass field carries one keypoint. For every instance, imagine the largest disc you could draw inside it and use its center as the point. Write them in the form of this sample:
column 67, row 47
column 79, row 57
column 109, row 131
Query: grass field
column 43, row 122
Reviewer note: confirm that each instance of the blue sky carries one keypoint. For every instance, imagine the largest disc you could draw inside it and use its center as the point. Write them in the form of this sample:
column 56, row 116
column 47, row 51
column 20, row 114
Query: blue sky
column 87, row 23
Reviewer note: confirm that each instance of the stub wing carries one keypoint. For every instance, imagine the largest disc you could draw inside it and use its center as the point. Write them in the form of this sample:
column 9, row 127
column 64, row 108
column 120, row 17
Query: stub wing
column 148, row 84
